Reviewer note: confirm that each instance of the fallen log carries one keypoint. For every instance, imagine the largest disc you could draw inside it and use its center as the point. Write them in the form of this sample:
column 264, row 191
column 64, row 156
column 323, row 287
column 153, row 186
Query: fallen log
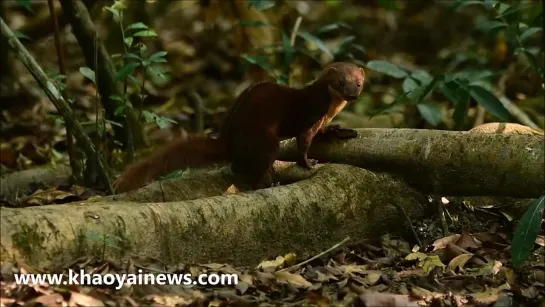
column 20, row 184
column 442, row 162
column 305, row 217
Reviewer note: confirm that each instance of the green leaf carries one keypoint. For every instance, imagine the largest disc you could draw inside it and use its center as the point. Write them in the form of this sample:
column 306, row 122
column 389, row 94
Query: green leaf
column 471, row 75
column 261, row 61
column 422, row 76
column 130, row 55
column 261, row 5
column 126, row 70
column 387, row 4
column 119, row 109
column 21, row 35
column 88, row 72
column 315, row 41
column 282, row 79
column 158, row 75
column 333, row 3
column 529, row 55
column 409, row 85
column 251, row 23
column 401, row 99
column 161, row 121
column 424, row 90
column 386, row 68
column 158, row 57
column 490, row 4
column 491, row 25
column 358, row 47
column 145, row 33
column 461, row 3
column 502, row 9
column 116, row 98
column 136, row 26
column 343, row 46
column 489, row 102
column 112, row 10
column 26, row 4
column 529, row 32
column 526, row 232
column 457, row 93
column 431, row 113
column 128, row 41
column 288, row 54
column 333, row 27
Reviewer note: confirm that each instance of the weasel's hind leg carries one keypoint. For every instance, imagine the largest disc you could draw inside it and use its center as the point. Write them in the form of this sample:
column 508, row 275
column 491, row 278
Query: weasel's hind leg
column 253, row 160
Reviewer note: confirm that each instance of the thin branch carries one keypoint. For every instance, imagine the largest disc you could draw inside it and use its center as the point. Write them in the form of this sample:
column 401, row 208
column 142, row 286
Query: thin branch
column 295, row 29
column 56, row 98
column 334, row 247
column 76, row 168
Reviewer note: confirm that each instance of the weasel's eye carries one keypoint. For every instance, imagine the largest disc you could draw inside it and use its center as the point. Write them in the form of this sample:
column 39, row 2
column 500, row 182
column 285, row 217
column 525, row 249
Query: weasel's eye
column 342, row 83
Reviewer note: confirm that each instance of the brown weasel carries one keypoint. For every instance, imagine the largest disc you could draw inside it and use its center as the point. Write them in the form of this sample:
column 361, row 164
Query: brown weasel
column 249, row 138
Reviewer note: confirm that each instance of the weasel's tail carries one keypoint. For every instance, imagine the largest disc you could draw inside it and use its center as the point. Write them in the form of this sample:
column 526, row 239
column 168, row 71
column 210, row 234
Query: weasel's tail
column 191, row 151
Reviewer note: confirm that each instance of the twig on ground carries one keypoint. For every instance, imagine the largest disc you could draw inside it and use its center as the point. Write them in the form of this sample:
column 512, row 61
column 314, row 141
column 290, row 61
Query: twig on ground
column 317, row 256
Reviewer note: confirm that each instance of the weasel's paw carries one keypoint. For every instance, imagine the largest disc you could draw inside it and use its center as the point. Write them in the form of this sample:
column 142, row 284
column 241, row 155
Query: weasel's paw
column 308, row 163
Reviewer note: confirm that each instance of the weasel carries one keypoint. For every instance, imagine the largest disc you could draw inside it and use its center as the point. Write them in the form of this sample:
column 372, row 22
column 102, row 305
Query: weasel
column 249, row 139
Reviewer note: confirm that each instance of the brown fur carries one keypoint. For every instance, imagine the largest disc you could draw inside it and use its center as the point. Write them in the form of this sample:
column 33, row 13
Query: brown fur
column 263, row 114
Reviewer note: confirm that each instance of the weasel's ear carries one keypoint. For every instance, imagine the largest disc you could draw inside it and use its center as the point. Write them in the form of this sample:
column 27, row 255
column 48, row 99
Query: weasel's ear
column 330, row 71
column 362, row 71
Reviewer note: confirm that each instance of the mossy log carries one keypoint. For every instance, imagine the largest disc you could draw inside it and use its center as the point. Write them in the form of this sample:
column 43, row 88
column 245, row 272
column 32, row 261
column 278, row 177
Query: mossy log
column 305, row 217
column 442, row 162
column 20, row 184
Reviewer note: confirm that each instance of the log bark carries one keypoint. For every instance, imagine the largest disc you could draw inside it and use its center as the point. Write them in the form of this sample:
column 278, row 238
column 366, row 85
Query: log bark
column 305, row 217
column 442, row 162
column 20, row 184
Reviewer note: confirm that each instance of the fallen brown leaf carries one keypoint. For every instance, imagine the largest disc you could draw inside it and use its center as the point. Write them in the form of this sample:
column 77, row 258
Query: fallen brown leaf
column 294, row 279
column 466, row 241
column 83, row 300
column 443, row 242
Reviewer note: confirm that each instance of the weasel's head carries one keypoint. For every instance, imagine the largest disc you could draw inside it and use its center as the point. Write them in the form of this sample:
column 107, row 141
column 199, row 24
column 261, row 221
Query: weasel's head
column 345, row 80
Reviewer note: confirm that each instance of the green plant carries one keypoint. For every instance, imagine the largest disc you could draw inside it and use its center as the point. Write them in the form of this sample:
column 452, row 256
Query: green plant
column 508, row 18
column 287, row 48
column 460, row 85
column 526, row 232
column 135, row 57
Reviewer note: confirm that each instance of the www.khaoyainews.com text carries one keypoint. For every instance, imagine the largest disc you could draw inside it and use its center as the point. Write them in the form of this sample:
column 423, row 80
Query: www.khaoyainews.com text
column 118, row 279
